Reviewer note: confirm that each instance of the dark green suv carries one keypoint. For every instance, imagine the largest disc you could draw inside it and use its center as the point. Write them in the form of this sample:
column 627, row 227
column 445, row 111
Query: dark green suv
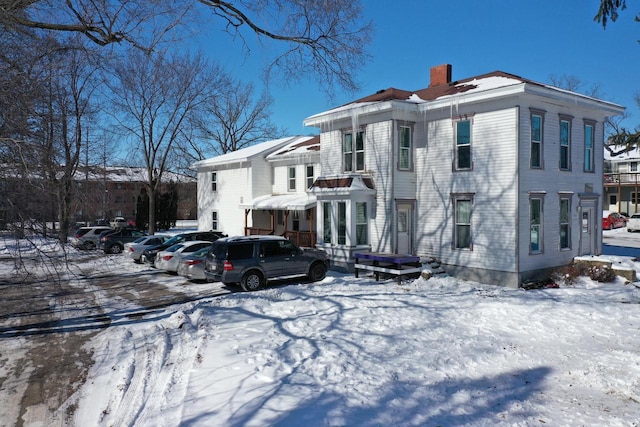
column 252, row 261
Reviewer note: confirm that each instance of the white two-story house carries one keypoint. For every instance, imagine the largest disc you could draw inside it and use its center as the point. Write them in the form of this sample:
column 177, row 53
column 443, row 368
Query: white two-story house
column 496, row 176
column 261, row 189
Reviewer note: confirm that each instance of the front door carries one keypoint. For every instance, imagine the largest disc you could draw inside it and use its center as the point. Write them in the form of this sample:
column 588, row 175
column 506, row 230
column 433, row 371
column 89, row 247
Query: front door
column 587, row 235
column 403, row 227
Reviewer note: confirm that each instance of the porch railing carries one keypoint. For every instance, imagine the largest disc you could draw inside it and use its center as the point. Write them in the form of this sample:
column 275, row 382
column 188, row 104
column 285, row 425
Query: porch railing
column 622, row 178
column 300, row 238
column 305, row 239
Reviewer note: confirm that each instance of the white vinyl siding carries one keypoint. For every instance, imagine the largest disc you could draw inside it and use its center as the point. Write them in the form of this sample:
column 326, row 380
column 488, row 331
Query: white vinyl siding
column 494, row 171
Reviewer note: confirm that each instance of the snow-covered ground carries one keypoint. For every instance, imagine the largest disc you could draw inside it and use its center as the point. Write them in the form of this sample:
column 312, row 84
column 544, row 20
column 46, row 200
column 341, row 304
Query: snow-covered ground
column 356, row 352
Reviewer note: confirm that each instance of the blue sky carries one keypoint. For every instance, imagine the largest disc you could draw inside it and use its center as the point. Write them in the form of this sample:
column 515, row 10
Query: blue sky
column 531, row 39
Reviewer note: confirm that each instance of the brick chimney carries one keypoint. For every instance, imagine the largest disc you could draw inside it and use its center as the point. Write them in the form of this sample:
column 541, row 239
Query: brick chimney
column 440, row 75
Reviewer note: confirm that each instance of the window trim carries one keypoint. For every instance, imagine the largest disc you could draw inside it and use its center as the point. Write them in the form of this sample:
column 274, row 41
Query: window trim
column 589, row 166
column 214, row 181
column 455, row 199
column 533, row 114
column 563, row 118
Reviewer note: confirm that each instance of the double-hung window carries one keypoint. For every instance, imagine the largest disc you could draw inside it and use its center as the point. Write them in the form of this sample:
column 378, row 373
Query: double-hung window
column 536, row 224
column 565, row 143
column 362, row 230
column 565, row 223
column 342, row 223
column 214, row 220
column 537, row 132
column 404, row 148
column 292, row 178
column 463, row 145
column 353, row 151
column 214, row 181
column 588, row 146
column 326, row 222
column 463, row 207
column 309, row 176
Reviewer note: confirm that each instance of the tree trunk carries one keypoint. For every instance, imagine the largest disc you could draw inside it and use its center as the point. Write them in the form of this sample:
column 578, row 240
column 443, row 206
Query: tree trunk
column 152, row 211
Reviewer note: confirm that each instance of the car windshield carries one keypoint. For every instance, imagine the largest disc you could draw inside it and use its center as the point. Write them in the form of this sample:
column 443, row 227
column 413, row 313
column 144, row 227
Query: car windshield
column 635, row 216
column 139, row 240
column 174, row 247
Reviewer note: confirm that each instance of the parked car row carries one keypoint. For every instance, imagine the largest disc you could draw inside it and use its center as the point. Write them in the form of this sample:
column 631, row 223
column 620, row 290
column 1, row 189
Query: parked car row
column 249, row 261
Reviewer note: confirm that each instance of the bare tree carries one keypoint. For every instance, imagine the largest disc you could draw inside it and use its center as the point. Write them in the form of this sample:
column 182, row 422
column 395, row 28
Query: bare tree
column 232, row 120
column 156, row 96
column 321, row 38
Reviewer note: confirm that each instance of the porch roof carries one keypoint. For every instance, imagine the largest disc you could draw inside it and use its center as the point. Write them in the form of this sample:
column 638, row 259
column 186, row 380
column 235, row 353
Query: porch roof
column 286, row 202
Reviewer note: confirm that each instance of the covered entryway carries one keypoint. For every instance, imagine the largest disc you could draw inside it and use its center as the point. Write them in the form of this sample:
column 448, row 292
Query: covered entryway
column 289, row 215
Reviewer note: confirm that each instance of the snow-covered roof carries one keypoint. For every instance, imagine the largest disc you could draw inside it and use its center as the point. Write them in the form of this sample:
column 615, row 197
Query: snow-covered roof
column 246, row 154
column 622, row 157
column 291, row 202
column 493, row 81
column 300, row 146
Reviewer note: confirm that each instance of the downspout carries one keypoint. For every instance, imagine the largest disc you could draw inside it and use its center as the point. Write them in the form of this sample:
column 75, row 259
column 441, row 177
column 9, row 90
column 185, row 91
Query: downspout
column 517, row 171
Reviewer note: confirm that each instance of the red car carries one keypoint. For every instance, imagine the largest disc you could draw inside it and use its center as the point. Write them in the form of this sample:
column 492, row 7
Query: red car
column 611, row 220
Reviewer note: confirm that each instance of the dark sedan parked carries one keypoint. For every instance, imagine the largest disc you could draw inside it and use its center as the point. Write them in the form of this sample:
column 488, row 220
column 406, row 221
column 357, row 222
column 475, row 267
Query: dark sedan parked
column 113, row 243
column 149, row 255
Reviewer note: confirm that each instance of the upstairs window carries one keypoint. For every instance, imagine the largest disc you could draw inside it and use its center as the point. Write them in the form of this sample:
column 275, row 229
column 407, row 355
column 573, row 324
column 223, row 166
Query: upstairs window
column 292, row 178
column 309, row 176
column 588, row 147
column 463, row 145
column 214, row 182
column 565, row 144
column 353, row 152
column 404, row 148
column 537, row 133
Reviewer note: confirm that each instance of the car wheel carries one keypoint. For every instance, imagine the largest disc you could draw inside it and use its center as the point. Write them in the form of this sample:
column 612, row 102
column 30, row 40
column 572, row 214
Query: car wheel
column 115, row 248
column 252, row 281
column 317, row 272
